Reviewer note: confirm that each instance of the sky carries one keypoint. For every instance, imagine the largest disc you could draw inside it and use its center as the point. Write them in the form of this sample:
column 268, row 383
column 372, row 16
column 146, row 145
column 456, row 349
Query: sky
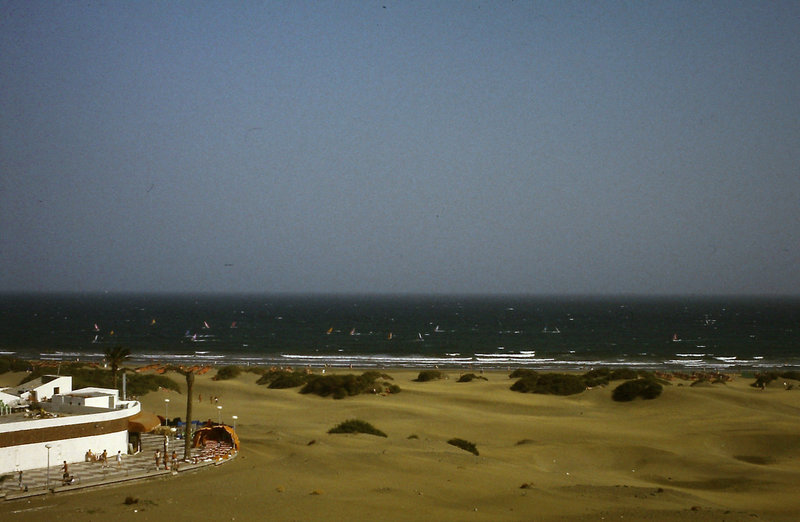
column 500, row 147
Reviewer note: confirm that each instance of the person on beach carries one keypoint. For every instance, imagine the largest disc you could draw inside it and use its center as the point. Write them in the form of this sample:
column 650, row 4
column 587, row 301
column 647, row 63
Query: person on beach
column 166, row 451
column 119, row 459
column 104, row 458
column 66, row 479
column 174, row 461
column 158, row 458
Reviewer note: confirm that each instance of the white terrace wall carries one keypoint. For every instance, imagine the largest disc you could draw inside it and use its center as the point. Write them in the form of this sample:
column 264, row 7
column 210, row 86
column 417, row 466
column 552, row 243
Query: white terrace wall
column 107, row 430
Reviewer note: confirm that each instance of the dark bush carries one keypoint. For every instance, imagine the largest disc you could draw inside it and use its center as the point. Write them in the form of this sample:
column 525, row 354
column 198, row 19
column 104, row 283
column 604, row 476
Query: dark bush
column 550, row 383
column 469, row 377
column 140, row 384
column 375, row 375
column 281, row 379
column 522, row 372
column 288, row 380
column 764, row 378
column 341, row 386
column 84, row 376
column 227, row 372
column 630, row 390
column 526, row 384
column 429, row 375
column 623, row 374
column 464, row 444
column 357, row 426
column 12, row 364
column 560, row 384
column 602, row 376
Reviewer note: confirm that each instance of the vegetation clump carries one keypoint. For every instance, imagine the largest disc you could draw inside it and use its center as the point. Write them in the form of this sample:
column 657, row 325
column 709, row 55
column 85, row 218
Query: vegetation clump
column 464, row 444
column 227, row 372
column 429, row 375
column 357, row 426
column 341, row 386
column 522, row 372
column 282, row 379
column 764, row 378
column 550, row 383
column 86, row 375
column 603, row 376
column 630, row 390
column 469, row 377
column 12, row 364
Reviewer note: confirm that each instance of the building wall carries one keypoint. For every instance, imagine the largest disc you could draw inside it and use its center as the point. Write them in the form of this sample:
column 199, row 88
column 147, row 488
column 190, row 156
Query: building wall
column 23, row 444
column 45, row 391
column 8, row 399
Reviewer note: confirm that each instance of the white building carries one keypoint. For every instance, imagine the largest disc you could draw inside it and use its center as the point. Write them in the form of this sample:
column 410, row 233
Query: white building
column 70, row 423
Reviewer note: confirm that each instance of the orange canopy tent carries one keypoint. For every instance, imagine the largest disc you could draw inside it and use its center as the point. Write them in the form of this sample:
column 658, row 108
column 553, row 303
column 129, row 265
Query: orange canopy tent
column 143, row 422
column 220, row 432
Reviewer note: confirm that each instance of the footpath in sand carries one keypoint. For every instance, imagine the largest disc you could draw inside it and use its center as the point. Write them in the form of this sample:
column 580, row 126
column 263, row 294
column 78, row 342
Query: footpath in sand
column 715, row 452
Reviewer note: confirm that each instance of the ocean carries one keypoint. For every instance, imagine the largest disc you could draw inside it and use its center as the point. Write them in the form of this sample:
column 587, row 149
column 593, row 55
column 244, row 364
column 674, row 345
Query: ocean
column 468, row 332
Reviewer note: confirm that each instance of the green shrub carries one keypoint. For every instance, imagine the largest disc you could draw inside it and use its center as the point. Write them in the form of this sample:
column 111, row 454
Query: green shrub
column 375, row 375
column 429, row 375
column 551, row 384
column 597, row 377
column 623, row 374
column 357, row 426
column 464, row 444
column 526, row 384
column 12, row 364
column 630, row 390
column 522, row 372
column 764, row 378
column 560, row 384
column 139, row 384
column 469, row 377
column 603, row 376
column 288, row 380
column 227, row 372
column 86, row 375
column 341, row 386
column 282, row 379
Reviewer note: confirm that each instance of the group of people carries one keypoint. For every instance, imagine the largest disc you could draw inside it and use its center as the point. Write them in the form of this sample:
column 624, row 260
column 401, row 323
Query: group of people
column 169, row 461
column 102, row 458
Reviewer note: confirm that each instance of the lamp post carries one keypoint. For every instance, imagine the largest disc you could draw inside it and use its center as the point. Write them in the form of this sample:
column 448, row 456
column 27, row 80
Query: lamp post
column 219, row 414
column 47, row 476
column 166, row 412
column 234, row 417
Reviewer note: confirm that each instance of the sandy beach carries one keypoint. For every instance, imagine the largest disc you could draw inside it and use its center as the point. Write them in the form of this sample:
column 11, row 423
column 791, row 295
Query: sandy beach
column 711, row 452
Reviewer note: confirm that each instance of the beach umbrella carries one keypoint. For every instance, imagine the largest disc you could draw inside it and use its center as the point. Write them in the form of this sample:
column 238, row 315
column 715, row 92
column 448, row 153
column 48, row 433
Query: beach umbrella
column 143, row 422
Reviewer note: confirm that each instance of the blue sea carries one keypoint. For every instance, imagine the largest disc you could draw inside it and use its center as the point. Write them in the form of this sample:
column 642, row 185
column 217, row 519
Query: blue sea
column 469, row 332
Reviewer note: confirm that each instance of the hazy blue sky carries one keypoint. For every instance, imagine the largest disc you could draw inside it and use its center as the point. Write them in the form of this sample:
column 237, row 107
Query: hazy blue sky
column 434, row 147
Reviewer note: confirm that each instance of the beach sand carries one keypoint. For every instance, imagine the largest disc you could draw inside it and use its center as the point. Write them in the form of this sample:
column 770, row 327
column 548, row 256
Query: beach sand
column 713, row 452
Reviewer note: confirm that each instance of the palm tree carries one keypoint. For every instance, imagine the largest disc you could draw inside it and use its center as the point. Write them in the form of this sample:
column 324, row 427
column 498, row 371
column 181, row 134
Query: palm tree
column 188, row 373
column 115, row 356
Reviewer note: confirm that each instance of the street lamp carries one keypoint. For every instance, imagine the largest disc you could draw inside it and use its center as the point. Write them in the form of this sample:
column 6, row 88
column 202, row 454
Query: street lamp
column 47, row 479
column 166, row 412
column 219, row 416
column 234, row 417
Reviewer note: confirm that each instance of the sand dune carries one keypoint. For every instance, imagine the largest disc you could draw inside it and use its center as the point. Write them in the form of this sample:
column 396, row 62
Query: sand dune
column 727, row 451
